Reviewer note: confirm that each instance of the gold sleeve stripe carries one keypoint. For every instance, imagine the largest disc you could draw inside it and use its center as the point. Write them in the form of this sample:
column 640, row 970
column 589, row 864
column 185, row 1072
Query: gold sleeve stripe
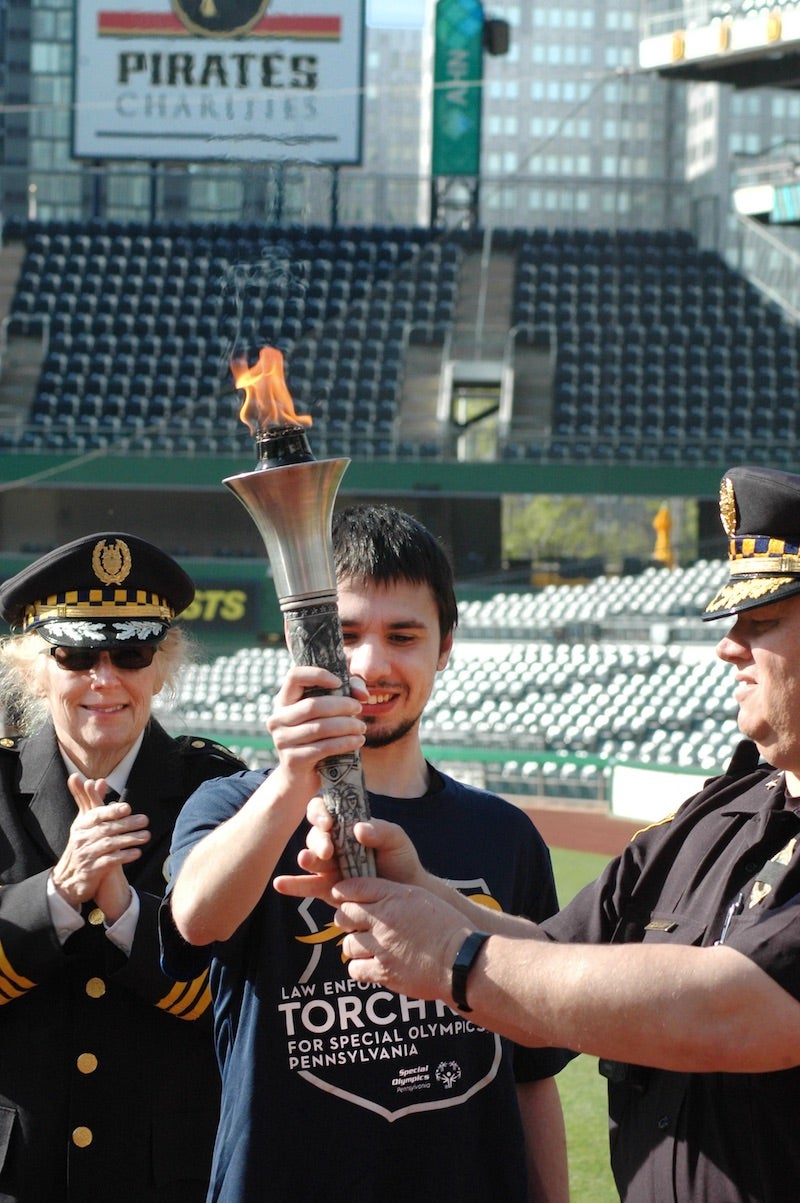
column 194, row 990
column 8, row 992
column 175, row 993
column 12, row 984
column 202, row 1005
column 188, row 1000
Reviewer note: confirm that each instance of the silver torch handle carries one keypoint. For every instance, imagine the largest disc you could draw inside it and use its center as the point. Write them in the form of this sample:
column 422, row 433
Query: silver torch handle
column 314, row 636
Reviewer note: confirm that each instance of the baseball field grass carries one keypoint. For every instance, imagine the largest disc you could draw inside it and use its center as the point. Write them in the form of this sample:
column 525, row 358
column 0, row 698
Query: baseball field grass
column 583, row 1094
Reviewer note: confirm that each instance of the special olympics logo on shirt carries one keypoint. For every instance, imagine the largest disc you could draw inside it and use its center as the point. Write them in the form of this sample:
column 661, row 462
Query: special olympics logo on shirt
column 448, row 1073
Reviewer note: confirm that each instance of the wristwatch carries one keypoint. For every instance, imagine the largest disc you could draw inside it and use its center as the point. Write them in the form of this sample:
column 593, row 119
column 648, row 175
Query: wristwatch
column 465, row 959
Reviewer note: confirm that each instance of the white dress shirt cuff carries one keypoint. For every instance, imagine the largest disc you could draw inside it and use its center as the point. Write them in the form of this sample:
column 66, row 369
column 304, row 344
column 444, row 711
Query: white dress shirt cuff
column 66, row 919
column 122, row 932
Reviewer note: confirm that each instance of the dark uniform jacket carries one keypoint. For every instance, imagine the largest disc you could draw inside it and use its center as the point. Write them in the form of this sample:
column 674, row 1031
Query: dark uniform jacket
column 727, row 862
column 108, row 1081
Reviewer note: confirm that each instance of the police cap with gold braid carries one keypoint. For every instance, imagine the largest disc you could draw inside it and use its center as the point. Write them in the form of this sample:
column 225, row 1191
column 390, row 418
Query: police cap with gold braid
column 760, row 511
column 101, row 591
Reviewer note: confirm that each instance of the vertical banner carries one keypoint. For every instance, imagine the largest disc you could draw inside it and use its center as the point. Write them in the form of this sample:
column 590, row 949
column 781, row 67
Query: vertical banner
column 457, row 90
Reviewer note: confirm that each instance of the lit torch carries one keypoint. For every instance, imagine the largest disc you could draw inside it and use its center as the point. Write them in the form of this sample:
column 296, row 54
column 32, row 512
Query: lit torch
column 290, row 497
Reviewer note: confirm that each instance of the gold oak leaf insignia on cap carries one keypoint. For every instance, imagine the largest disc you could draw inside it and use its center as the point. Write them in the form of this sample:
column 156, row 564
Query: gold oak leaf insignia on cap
column 111, row 561
column 727, row 506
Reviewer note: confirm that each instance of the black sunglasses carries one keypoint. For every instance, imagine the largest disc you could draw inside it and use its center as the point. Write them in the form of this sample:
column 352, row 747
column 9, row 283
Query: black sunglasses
column 83, row 659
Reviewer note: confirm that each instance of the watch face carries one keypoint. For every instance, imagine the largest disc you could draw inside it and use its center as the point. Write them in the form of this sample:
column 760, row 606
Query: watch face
column 219, row 18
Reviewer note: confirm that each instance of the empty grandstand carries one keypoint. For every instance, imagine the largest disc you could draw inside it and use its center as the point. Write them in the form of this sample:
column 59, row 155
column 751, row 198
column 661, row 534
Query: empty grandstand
column 138, row 326
column 621, row 347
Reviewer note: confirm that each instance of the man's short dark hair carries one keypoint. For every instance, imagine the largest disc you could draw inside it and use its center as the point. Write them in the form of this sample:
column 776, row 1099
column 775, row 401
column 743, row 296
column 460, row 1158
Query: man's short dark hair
column 383, row 544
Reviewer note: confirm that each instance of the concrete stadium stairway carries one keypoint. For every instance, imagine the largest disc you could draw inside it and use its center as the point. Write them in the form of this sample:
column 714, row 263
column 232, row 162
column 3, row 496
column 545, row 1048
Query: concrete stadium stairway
column 480, row 331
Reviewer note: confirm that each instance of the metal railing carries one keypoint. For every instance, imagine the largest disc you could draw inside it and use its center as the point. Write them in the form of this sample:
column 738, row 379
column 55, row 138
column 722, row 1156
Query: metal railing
column 772, row 265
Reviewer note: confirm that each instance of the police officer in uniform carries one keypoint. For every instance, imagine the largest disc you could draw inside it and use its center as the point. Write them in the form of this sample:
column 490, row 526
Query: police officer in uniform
column 108, row 1082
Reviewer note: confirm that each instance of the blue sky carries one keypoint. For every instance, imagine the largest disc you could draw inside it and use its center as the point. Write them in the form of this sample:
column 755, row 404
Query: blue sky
column 403, row 13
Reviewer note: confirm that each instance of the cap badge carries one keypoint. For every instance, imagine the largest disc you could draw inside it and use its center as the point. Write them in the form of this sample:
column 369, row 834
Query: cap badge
column 727, row 507
column 111, row 561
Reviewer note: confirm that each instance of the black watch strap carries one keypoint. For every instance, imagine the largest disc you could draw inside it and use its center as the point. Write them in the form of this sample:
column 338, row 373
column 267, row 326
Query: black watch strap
column 465, row 959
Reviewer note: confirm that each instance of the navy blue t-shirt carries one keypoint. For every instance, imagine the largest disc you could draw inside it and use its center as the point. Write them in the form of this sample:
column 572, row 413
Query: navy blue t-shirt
column 330, row 1085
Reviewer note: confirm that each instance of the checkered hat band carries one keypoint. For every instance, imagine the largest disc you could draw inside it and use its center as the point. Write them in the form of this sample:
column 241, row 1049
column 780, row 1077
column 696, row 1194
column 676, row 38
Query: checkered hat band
column 99, row 604
column 761, row 555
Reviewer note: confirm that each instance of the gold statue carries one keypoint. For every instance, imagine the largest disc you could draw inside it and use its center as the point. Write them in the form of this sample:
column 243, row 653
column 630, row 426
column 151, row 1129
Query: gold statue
column 662, row 525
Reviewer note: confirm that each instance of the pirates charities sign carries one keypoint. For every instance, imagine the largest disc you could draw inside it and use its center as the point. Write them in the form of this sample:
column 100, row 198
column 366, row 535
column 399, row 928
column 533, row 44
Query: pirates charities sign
column 219, row 79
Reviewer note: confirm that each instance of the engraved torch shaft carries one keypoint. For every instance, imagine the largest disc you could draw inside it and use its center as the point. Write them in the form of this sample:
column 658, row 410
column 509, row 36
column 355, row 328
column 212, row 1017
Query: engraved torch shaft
column 314, row 636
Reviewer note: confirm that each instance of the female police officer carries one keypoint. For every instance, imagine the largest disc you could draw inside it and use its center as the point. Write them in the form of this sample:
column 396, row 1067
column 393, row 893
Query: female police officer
column 108, row 1086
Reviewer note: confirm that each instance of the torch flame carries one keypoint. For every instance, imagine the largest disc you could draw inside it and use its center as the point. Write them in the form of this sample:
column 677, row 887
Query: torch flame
column 267, row 401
